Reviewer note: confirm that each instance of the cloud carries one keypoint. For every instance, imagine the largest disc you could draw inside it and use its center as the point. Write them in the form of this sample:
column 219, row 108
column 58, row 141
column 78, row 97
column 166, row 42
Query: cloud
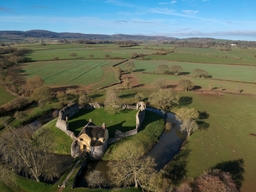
column 122, row 21
column 190, row 12
column 166, row 3
column 5, row 9
column 233, row 33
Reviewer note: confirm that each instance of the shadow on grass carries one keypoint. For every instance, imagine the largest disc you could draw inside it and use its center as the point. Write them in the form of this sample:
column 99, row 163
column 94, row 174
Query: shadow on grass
column 76, row 126
column 96, row 95
column 171, row 86
column 184, row 101
column 184, row 73
column 176, row 170
column 129, row 95
column 235, row 168
column 196, row 87
column 149, row 118
column 118, row 126
column 139, row 70
column 203, row 115
column 64, row 88
column 139, row 85
column 202, row 125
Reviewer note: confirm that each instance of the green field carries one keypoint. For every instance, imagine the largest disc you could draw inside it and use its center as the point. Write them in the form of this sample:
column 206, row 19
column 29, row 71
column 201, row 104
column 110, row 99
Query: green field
column 5, row 96
column 209, row 55
column 123, row 121
column 231, row 119
column 224, row 72
column 73, row 72
column 63, row 51
column 150, row 80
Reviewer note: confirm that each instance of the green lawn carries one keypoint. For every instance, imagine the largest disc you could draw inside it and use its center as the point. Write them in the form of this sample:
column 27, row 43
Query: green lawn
column 124, row 121
column 75, row 72
column 224, row 72
column 5, row 96
column 231, row 119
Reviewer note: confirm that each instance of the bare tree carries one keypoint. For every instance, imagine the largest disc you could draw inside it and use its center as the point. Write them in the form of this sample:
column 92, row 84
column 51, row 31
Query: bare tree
column 142, row 55
column 176, row 69
column 74, row 55
column 7, row 177
column 26, row 150
column 200, row 73
column 216, row 181
column 189, row 126
column 139, row 96
column 164, row 99
column 187, row 113
column 42, row 94
column 184, row 187
column 239, row 89
column 131, row 170
column 160, row 83
column 129, row 66
column 112, row 101
column 95, row 178
column 186, row 85
column 91, row 56
column 127, row 83
column 163, row 68
column 33, row 83
column 107, row 56
column 83, row 99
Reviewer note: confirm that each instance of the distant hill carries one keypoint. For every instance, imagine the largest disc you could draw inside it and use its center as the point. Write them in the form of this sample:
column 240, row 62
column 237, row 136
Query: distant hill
column 43, row 34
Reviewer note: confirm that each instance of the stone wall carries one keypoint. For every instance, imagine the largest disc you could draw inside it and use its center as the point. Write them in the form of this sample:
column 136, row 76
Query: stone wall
column 64, row 115
column 98, row 151
column 140, row 115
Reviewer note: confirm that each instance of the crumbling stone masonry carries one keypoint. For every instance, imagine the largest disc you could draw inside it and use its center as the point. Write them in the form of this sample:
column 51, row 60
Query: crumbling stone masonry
column 64, row 115
column 92, row 140
column 140, row 115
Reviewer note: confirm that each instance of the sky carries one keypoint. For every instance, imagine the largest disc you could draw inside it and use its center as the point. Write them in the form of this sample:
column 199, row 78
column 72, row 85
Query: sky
column 221, row 19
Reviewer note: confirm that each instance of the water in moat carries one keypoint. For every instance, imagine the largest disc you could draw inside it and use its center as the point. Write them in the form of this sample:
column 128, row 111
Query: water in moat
column 168, row 145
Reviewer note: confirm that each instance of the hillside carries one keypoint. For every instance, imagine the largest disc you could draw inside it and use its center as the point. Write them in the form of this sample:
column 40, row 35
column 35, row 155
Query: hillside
column 43, row 34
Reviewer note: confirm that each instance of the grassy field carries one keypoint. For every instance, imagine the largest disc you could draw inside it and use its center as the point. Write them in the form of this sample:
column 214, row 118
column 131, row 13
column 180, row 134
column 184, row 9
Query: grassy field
column 231, row 119
column 5, row 96
column 75, row 72
column 124, row 121
column 63, row 51
column 150, row 80
column 224, row 72
column 209, row 55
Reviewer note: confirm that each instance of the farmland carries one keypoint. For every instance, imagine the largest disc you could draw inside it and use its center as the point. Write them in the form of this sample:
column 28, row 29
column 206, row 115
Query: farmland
column 74, row 72
column 231, row 114
column 227, row 137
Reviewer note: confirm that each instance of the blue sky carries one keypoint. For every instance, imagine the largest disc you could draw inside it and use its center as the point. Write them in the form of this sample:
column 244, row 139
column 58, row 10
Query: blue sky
column 225, row 19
